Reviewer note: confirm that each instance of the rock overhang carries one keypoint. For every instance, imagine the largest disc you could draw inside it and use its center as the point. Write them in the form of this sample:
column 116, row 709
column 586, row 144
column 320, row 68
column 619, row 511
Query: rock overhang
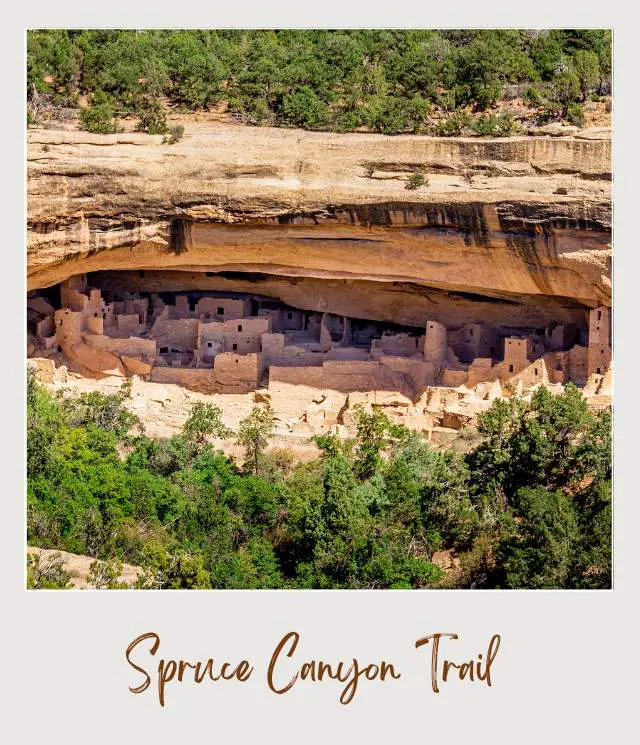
column 523, row 220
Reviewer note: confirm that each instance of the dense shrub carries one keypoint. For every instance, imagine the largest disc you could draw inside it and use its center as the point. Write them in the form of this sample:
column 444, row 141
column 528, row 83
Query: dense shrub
column 454, row 125
column 575, row 114
column 565, row 90
column 99, row 117
column 151, row 118
column 492, row 125
column 303, row 108
column 533, row 97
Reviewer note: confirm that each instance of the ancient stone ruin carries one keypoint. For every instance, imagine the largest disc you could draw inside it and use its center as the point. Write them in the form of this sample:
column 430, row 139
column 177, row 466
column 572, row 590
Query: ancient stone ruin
column 428, row 377
column 295, row 267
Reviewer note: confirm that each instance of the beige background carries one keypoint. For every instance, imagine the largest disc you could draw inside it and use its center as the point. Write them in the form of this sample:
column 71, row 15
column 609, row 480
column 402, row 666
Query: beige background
column 567, row 667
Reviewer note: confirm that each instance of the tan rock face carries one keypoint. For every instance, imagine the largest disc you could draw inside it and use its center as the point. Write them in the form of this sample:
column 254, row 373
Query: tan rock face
column 514, row 228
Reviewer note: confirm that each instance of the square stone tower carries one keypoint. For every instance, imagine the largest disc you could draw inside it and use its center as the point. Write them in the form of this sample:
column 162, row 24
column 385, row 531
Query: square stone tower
column 516, row 354
column 599, row 349
column 435, row 342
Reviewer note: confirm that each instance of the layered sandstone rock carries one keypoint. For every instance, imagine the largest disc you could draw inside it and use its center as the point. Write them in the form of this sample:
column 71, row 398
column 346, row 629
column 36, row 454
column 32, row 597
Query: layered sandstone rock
column 514, row 228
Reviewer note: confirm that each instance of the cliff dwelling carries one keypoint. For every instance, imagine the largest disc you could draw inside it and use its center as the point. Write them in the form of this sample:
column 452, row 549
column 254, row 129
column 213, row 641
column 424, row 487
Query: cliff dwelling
column 205, row 332
column 318, row 281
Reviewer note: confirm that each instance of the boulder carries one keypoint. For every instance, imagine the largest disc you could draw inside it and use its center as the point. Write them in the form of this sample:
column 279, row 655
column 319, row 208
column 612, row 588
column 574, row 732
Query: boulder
column 95, row 359
column 555, row 129
column 595, row 133
column 136, row 365
column 445, row 560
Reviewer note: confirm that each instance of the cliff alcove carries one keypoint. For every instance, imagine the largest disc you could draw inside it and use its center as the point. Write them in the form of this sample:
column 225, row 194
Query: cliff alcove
column 299, row 262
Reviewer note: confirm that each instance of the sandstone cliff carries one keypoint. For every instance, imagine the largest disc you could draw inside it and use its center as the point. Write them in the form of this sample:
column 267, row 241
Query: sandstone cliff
column 511, row 230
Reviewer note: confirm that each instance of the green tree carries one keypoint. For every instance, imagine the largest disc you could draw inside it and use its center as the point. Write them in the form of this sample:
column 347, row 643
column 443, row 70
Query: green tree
column 181, row 570
column 372, row 438
column 554, row 441
column 592, row 555
column 587, row 68
column 447, row 508
column 565, row 89
column 538, row 550
column 205, row 420
column 254, row 434
column 106, row 411
column 44, row 417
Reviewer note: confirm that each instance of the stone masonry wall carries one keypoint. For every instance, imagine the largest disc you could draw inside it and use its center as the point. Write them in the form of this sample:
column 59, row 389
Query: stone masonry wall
column 201, row 380
column 131, row 346
column 180, row 333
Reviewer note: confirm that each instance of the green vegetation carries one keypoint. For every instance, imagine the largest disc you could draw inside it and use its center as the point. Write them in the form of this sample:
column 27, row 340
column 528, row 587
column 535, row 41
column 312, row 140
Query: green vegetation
column 492, row 125
column 103, row 575
column 205, row 420
column 453, row 125
column 382, row 80
column 416, row 181
column 528, row 506
column 46, row 573
column 99, row 117
column 575, row 114
column 152, row 118
column 254, row 434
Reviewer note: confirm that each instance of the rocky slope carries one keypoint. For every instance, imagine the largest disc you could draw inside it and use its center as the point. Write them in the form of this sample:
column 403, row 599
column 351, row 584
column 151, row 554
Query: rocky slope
column 515, row 230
